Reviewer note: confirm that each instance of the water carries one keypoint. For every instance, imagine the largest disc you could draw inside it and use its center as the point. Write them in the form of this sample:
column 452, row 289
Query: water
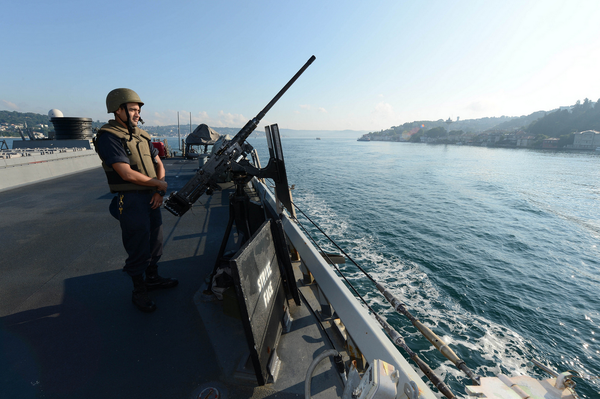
column 496, row 250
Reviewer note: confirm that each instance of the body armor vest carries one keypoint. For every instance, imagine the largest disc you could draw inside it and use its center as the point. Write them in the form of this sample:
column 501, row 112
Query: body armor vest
column 139, row 154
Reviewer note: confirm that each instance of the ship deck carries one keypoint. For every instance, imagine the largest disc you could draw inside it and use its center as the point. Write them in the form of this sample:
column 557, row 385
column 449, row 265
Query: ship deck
column 68, row 328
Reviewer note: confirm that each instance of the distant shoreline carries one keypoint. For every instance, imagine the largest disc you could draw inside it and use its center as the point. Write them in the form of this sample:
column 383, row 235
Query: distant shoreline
column 593, row 150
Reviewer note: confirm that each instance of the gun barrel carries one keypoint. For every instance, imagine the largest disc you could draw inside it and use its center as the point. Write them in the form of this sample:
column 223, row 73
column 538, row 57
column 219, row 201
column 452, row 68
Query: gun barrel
column 180, row 202
column 262, row 113
column 243, row 134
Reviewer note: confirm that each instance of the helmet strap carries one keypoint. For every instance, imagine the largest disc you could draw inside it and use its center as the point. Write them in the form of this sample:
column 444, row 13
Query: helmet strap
column 129, row 123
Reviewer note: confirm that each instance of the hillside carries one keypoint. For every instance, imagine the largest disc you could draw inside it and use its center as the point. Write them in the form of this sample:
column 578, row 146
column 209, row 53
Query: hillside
column 559, row 123
column 406, row 131
column 19, row 118
column 520, row 122
column 577, row 118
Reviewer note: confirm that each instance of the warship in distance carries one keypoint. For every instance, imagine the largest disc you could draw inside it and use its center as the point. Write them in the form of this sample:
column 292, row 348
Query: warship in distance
column 284, row 310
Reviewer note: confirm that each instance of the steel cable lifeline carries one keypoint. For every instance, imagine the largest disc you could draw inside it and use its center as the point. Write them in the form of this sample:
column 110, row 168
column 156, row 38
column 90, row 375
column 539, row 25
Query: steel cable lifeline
column 394, row 335
column 440, row 345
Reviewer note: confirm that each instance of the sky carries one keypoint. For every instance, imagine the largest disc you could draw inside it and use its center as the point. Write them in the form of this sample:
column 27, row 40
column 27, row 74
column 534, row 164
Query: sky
column 378, row 63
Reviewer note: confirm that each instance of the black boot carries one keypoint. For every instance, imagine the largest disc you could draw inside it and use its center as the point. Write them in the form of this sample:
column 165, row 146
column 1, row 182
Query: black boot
column 156, row 282
column 140, row 296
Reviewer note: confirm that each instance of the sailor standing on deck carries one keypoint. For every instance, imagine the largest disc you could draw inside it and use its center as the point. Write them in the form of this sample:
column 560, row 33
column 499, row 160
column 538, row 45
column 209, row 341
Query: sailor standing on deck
column 136, row 174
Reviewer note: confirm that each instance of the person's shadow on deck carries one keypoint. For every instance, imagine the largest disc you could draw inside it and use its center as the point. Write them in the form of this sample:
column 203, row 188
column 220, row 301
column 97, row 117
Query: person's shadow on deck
column 96, row 344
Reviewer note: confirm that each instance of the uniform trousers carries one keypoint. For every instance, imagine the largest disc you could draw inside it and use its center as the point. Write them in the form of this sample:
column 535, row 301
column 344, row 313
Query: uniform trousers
column 141, row 229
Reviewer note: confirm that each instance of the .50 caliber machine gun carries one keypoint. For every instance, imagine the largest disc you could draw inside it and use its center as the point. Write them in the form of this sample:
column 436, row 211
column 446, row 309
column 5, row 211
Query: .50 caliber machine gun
column 236, row 150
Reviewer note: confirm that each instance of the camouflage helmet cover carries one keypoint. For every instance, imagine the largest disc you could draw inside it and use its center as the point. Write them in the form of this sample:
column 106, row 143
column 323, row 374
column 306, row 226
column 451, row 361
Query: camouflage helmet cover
column 117, row 97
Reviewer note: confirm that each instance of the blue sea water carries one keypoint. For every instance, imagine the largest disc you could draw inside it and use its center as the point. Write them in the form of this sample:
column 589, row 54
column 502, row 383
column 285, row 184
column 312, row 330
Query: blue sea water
column 496, row 250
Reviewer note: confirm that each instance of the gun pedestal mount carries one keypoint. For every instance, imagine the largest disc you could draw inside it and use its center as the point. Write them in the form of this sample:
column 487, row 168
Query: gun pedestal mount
column 248, row 212
column 245, row 212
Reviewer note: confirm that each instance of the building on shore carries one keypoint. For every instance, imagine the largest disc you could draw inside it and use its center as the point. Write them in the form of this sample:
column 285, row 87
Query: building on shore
column 586, row 140
column 525, row 141
column 550, row 144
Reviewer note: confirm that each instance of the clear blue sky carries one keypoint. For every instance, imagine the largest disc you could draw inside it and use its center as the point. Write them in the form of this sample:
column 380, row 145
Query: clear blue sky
column 379, row 63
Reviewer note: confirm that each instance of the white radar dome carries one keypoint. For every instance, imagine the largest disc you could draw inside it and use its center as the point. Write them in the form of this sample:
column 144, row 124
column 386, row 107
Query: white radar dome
column 55, row 113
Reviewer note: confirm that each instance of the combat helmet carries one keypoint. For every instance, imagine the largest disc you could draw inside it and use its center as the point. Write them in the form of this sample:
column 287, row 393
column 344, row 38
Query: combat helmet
column 116, row 97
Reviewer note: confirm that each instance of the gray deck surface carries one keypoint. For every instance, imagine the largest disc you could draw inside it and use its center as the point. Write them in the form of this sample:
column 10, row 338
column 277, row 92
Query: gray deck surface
column 68, row 328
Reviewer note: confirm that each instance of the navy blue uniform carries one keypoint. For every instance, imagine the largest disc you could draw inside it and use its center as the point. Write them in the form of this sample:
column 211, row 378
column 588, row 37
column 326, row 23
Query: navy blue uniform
column 141, row 226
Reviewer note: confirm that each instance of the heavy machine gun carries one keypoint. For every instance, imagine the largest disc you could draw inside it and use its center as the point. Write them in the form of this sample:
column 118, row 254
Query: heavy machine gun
column 236, row 150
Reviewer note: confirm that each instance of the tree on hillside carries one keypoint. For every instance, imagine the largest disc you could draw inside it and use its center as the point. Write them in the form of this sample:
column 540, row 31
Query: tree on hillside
column 416, row 138
column 566, row 139
column 582, row 116
column 436, row 132
column 539, row 140
column 19, row 118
